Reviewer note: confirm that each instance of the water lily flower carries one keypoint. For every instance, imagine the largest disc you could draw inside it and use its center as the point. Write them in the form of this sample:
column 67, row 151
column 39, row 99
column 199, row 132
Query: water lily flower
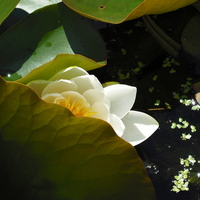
column 84, row 95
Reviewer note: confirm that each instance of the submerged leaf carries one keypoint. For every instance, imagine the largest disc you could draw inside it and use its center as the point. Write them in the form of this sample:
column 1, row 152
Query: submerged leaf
column 48, row 153
column 190, row 37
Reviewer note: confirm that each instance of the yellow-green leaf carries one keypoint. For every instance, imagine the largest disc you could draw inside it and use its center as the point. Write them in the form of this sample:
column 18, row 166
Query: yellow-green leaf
column 61, row 61
column 113, row 11
column 48, row 153
column 6, row 7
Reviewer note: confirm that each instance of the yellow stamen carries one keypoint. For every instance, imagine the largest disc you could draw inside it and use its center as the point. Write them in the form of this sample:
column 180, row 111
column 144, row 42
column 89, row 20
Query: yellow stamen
column 77, row 108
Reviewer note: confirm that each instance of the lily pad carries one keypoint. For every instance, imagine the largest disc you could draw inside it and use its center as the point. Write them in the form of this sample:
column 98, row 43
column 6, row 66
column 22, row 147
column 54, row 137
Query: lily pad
column 190, row 37
column 6, row 7
column 48, row 153
column 49, row 31
column 117, row 12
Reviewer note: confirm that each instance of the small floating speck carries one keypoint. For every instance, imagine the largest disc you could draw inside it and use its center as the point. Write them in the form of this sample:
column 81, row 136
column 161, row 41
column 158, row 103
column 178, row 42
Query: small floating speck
column 123, row 51
column 157, row 103
column 155, row 77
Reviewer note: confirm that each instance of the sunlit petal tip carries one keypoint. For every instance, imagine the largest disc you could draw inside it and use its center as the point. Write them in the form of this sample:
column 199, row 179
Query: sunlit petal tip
column 87, row 82
column 139, row 127
column 59, row 86
column 122, row 98
column 94, row 95
column 69, row 73
column 117, row 124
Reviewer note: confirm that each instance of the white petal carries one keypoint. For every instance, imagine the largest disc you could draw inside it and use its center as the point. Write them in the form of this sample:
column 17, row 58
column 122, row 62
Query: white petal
column 117, row 124
column 102, row 111
column 122, row 98
column 59, row 86
column 94, row 95
column 87, row 82
column 69, row 73
column 51, row 97
column 75, row 96
column 138, row 127
column 38, row 85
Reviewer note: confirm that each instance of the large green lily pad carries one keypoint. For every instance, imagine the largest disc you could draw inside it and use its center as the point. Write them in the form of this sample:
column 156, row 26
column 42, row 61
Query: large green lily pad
column 48, row 153
column 113, row 11
column 49, row 31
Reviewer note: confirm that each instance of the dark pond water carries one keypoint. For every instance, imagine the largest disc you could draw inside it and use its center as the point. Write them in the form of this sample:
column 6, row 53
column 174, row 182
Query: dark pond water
column 135, row 58
column 166, row 148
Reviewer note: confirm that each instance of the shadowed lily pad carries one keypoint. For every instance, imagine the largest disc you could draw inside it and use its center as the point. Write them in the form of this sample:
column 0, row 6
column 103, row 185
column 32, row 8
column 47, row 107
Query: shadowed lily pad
column 48, row 153
column 54, row 29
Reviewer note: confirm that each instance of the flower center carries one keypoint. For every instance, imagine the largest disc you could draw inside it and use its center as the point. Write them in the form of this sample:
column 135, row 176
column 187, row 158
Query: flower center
column 78, row 108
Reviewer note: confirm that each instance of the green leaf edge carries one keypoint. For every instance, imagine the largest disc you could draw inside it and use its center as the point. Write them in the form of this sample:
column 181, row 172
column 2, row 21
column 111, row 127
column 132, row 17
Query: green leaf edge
column 60, row 62
column 8, row 12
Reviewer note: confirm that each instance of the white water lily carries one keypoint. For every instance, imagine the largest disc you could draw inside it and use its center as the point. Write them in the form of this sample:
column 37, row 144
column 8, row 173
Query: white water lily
column 84, row 95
